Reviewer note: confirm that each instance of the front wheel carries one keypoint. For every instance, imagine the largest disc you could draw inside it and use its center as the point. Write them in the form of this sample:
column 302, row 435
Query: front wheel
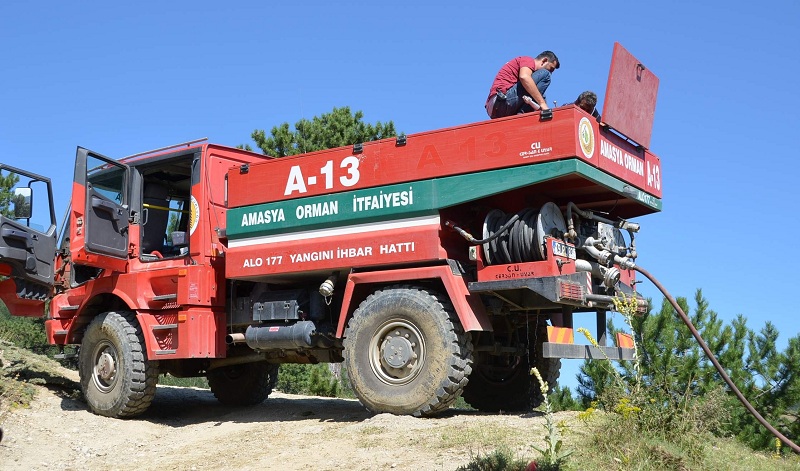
column 406, row 353
column 116, row 378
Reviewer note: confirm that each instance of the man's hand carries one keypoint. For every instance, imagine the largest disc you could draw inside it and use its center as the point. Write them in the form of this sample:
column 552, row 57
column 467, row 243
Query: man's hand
column 532, row 103
column 526, row 79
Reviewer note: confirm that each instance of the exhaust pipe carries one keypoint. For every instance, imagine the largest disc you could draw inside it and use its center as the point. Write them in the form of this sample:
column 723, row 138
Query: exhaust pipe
column 233, row 339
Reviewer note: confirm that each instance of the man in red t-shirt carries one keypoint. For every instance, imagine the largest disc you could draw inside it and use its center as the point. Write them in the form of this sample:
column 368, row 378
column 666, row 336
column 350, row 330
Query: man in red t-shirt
column 519, row 77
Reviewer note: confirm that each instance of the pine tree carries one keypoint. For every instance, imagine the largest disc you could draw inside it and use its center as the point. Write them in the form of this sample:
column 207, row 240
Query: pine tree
column 594, row 378
column 561, row 399
column 675, row 372
column 340, row 127
column 771, row 384
column 7, row 182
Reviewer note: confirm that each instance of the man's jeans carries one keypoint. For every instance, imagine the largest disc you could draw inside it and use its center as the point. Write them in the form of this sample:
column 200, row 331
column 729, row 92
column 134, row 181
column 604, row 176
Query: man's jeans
column 513, row 103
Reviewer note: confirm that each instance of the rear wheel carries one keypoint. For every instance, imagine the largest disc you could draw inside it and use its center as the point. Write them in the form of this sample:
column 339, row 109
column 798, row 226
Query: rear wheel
column 406, row 353
column 504, row 383
column 116, row 378
column 247, row 384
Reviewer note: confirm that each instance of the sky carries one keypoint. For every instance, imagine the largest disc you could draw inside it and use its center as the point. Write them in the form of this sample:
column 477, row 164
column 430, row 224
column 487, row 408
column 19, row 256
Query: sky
column 126, row 77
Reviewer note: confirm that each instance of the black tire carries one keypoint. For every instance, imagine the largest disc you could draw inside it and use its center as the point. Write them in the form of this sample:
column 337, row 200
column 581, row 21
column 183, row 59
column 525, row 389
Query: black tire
column 247, row 384
column 406, row 353
column 117, row 380
column 505, row 384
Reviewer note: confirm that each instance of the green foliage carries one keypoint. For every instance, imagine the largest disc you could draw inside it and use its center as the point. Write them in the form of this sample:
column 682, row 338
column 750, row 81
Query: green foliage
column 22, row 331
column 14, row 393
column 501, row 459
column 461, row 404
column 321, row 382
column 561, row 399
column 293, row 378
column 769, row 379
column 21, row 370
column 316, row 380
column 594, row 378
column 340, row 127
column 639, row 432
column 195, row 382
column 554, row 456
column 172, row 226
column 7, row 182
column 654, row 397
column 682, row 396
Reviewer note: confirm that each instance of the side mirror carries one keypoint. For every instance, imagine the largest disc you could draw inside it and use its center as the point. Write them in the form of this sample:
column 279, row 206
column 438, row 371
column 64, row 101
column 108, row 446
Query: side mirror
column 23, row 203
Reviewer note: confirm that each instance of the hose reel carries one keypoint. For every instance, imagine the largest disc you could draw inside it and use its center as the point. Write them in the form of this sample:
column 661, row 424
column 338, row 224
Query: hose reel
column 522, row 240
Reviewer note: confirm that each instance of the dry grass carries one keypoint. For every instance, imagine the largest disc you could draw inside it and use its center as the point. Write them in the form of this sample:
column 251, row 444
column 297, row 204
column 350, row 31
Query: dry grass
column 20, row 370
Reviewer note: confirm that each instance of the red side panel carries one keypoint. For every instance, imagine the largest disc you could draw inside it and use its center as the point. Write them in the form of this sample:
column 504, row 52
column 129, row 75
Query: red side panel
column 635, row 166
column 630, row 102
column 16, row 305
column 336, row 251
column 190, row 333
column 499, row 143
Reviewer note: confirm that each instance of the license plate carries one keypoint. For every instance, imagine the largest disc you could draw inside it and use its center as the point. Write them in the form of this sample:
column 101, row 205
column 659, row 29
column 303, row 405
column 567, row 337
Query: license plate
column 563, row 250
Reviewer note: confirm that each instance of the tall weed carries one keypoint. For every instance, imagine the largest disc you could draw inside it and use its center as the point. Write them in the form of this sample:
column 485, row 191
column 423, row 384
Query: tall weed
column 651, row 419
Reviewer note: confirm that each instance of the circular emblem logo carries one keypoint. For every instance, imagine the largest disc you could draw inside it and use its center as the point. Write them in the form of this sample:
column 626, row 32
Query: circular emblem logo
column 194, row 215
column 586, row 137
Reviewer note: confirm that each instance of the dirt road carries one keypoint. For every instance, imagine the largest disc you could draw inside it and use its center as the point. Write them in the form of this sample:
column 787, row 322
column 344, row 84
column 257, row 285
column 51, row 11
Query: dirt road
column 187, row 429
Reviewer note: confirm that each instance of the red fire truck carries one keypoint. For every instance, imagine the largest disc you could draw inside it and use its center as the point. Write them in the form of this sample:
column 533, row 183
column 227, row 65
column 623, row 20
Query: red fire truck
column 433, row 265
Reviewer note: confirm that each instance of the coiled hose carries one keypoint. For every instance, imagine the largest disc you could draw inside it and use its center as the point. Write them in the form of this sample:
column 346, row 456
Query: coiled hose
column 517, row 240
column 716, row 363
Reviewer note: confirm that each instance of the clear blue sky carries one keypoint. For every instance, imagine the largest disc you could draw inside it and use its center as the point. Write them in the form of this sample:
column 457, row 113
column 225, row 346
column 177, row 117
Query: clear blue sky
column 121, row 79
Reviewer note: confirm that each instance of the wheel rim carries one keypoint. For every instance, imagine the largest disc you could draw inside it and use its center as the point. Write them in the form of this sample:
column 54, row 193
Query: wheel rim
column 397, row 352
column 104, row 371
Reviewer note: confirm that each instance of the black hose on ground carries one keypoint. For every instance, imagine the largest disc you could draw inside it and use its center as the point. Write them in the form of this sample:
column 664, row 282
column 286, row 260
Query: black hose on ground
column 719, row 368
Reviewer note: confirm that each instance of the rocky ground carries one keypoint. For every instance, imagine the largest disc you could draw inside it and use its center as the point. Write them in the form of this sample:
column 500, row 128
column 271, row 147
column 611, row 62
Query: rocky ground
column 187, row 429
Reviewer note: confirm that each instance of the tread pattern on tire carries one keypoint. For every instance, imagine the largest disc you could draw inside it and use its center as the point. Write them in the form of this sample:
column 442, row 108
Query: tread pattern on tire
column 144, row 377
column 458, row 375
column 459, row 345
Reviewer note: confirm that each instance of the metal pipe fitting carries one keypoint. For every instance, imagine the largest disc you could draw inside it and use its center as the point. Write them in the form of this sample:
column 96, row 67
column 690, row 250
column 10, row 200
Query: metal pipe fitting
column 232, row 339
column 609, row 275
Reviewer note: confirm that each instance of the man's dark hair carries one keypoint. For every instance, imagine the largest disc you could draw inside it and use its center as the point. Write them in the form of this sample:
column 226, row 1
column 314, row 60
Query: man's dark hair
column 590, row 98
column 551, row 56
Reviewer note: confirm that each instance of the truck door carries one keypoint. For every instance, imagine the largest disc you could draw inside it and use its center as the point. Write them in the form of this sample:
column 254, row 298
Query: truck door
column 101, row 211
column 27, row 240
